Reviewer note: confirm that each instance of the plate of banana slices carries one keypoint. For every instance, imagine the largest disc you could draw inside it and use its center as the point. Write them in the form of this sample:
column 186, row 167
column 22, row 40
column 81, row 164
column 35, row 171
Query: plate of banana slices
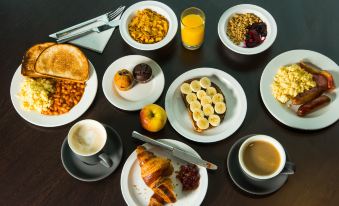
column 205, row 105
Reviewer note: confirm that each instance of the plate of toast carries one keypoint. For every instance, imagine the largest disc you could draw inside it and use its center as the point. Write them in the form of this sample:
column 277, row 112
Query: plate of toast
column 54, row 85
column 205, row 105
column 150, row 177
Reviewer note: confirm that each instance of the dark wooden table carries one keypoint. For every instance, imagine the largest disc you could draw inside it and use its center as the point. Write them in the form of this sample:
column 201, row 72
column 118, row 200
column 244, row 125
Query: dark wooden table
column 31, row 172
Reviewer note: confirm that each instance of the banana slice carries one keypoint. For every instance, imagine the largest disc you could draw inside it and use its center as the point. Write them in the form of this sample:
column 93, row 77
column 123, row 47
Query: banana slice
column 197, row 115
column 191, row 97
column 195, row 86
column 195, row 105
column 201, row 94
column 211, row 91
column 208, row 109
column 220, row 107
column 185, row 88
column 214, row 120
column 217, row 98
column 205, row 82
column 203, row 123
column 206, row 100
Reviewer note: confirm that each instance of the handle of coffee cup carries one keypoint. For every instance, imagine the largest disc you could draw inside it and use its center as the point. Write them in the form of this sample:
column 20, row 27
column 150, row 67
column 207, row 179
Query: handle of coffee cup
column 105, row 160
column 289, row 168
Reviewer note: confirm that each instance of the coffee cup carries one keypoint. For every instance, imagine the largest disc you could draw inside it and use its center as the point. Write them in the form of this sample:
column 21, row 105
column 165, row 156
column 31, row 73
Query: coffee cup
column 87, row 140
column 262, row 157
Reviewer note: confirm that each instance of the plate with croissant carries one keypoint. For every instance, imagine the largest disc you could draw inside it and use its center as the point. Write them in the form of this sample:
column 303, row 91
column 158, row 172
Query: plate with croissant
column 206, row 105
column 150, row 177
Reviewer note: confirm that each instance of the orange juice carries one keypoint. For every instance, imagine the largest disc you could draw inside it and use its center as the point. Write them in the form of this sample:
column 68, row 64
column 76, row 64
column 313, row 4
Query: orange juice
column 192, row 30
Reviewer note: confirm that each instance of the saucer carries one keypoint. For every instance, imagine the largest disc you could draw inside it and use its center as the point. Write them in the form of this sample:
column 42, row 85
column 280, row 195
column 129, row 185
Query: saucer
column 91, row 173
column 262, row 187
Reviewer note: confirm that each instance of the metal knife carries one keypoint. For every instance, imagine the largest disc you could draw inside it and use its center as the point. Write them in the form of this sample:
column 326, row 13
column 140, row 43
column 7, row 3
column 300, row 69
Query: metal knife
column 179, row 153
column 98, row 29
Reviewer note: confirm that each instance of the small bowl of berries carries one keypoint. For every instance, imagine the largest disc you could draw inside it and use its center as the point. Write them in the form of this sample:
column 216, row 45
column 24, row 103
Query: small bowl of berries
column 247, row 29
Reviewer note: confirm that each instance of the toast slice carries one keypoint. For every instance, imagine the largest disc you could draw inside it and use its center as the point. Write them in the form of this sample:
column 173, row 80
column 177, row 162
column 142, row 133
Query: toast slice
column 30, row 57
column 202, row 100
column 63, row 61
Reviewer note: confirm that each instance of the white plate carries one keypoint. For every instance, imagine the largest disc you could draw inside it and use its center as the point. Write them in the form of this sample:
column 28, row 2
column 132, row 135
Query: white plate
column 136, row 192
column 140, row 94
column 156, row 6
column 54, row 120
column 317, row 120
column 264, row 15
column 235, row 100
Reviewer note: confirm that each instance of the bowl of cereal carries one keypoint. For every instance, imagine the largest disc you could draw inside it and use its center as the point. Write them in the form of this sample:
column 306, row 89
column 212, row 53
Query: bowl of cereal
column 148, row 25
column 247, row 29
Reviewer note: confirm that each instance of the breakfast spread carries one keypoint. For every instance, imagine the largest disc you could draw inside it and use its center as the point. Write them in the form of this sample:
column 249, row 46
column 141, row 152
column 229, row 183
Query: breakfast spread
column 148, row 27
column 123, row 79
column 55, row 76
column 142, row 73
column 155, row 172
column 246, row 30
column 302, row 84
column 205, row 102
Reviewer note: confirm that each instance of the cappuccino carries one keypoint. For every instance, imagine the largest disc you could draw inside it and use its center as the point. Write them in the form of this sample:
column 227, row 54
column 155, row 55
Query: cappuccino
column 87, row 137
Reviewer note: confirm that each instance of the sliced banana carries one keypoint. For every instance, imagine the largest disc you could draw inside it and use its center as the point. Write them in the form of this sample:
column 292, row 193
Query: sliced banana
column 220, row 107
column 205, row 82
column 201, row 94
column 197, row 115
column 208, row 109
column 191, row 97
column 206, row 100
column 203, row 123
column 195, row 86
column 211, row 91
column 214, row 120
column 217, row 98
column 195, row 105
column 185, row 88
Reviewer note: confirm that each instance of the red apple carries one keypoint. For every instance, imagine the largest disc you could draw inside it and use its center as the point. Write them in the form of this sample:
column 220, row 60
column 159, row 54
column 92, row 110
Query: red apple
column 153, row 117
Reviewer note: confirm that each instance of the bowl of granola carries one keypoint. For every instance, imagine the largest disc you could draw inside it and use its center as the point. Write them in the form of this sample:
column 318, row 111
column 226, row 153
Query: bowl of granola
column 247, row 29
column 148, row 25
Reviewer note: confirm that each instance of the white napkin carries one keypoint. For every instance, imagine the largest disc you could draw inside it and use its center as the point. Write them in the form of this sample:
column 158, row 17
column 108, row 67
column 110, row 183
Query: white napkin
column 93, row 41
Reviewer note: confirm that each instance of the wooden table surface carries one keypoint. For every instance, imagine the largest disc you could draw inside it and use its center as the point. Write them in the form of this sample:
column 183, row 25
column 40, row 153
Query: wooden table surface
column 31, row 172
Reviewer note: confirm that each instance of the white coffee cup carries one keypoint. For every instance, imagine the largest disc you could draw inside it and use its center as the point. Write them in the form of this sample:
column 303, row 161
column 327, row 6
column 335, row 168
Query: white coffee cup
column 282, row 164
column 87, row 139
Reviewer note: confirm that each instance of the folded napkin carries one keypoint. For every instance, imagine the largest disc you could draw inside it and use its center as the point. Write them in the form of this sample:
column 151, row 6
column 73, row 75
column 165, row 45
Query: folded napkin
column 93, row 41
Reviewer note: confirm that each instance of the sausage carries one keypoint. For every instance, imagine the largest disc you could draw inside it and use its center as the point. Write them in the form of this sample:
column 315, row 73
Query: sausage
column 321, row 81
column 313, row 105
column 311, row 68
column 307, row 95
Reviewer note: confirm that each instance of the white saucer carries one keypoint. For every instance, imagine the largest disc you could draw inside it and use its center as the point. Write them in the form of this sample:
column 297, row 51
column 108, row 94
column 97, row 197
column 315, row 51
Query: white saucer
column 317, row 120
column 140, row 94
column 235, row 100
column 136, row 192
column 54, row 120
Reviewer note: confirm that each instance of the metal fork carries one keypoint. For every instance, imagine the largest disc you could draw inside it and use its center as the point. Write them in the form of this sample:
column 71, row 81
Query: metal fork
column 109, row 17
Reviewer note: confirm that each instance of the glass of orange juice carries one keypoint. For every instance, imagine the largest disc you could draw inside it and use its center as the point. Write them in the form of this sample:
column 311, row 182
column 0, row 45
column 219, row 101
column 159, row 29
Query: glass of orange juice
column 192, row 28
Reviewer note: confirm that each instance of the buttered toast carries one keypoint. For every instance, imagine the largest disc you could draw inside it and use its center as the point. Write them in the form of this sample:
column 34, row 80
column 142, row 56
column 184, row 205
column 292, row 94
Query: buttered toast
column 205, row 103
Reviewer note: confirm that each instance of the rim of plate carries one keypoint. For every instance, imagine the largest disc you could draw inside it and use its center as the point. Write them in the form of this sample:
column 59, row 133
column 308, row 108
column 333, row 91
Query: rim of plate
column 159, row 7
column 120, row 102
column 191, row 134
column 277, row 110
column 132, row 159
column 55, row 120
column 272, row 29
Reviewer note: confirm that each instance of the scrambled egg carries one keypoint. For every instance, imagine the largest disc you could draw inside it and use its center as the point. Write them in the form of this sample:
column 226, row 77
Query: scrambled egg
column 34, row 94
column 290, row 81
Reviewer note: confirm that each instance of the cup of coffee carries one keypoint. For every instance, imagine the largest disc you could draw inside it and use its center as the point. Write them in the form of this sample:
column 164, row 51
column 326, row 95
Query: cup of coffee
column 262, row 157
column 87, row 139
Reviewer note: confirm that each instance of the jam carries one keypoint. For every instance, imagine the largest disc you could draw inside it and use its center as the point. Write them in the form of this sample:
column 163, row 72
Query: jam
column 256, row 34
column 189, row 176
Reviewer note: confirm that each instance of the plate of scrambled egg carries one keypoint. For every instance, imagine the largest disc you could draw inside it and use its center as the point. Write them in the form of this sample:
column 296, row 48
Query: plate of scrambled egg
column 30, row 98
column 282, row 79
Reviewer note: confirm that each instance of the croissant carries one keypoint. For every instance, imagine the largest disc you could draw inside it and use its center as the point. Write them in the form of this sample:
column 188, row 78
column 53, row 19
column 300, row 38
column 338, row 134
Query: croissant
column 155, row 172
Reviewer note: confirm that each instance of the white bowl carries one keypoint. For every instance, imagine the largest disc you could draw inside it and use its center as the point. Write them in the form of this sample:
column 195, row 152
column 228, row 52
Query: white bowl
column 156, row 6
column 258, row 11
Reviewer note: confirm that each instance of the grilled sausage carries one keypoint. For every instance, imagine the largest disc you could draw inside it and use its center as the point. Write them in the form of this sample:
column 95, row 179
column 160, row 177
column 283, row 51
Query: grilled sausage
column 307, row 96
column 313, row 105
